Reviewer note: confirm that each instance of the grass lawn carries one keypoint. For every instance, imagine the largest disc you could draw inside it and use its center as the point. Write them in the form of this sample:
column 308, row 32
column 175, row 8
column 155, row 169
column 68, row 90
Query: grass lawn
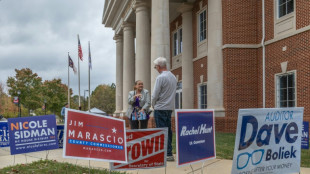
column 225, row 143
column 48, row 166
column 305, row 158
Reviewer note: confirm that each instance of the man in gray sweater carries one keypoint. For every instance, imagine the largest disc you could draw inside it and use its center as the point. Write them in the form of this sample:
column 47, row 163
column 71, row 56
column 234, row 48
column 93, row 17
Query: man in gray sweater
column 163, row 99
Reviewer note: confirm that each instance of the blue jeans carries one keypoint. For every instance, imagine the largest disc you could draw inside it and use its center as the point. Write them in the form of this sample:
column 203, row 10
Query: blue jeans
column 163, row 119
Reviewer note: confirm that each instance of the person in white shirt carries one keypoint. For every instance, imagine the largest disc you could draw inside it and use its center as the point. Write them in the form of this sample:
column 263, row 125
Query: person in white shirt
column 163, row 97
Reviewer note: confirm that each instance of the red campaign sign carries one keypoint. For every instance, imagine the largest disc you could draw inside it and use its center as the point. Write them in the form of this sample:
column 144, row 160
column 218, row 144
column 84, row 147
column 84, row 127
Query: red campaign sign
column 146, row 149
column 94, row 137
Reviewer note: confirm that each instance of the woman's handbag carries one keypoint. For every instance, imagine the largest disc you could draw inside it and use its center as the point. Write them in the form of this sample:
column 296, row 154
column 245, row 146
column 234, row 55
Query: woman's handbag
column 138, row 115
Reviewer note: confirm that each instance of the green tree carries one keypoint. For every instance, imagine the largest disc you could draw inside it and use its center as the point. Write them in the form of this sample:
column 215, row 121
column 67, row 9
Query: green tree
column 74, row 102
column 55, row 94
column 2, row 96
column 7, row 108
column 103, row 97
column 30, row 86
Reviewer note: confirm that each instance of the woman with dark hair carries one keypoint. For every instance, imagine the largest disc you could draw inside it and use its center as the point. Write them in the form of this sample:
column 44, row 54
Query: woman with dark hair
column 139, row 104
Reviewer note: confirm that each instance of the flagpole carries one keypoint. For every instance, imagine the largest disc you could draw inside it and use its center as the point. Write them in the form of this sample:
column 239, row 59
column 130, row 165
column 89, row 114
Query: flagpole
column 79, row 79
column 68, row 84
column 89, row 64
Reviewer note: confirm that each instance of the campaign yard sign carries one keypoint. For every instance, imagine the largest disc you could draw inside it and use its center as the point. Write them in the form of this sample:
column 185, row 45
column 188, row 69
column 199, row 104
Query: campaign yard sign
column 268, row 141
column 305, row 135
column 60, row 135
column 94, row 137
column 195, row 135
column 146, row 149
column 4, row 134
column 31, row 134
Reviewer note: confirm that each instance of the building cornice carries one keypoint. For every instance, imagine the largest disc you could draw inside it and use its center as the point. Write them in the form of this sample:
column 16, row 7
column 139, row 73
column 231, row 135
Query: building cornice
column 241, row 46
column 255, row 46
column 106, row 11
column 301, row 30
column 198, row 58
column 113, row 12
column 119, row 19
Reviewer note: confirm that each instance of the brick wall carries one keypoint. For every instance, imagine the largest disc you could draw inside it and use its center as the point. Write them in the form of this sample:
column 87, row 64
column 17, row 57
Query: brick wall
column 297, row 55
column 237, row 29
column 269, row 20
column 178, row 72
column 242, row 24
column 260, row 78
column 239, row 22
column 259, row 22
column 240, row 80
column 302, row 14
column 240, row 85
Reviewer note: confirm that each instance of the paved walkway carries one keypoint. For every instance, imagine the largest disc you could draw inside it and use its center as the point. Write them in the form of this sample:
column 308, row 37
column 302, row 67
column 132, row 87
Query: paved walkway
column 216, row 166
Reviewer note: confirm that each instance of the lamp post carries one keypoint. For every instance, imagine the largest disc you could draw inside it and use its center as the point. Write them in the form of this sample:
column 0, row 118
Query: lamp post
column 19, row 108
column 44, row 106
column 84, row 99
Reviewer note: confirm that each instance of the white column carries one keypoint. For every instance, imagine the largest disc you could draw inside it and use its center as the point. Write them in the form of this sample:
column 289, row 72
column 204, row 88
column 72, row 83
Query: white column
column 215, row 58
column 129, row 62
column 187, row 58
column 119, row 74
column 143, row 44
column 160, row 39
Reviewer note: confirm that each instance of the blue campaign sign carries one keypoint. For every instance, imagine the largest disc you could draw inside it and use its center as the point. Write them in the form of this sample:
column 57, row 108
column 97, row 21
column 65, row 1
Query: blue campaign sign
column 4, row 134
column 268, row 140
column 195, row 136
column 305, row 135
column 31, row 134
column 60, row 134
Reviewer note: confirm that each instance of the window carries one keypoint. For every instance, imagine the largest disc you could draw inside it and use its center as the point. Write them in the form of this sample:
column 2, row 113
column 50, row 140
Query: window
column 202, row 26
column 284, row 17
column 286, row 96
column 178, row 96
column 202, row 95
column 180, row 38
column 177, row 42
column 285, row 7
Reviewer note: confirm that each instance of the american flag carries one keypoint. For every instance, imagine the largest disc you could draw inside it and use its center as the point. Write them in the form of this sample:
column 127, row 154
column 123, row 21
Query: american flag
column 71, row 64
column 80, row 49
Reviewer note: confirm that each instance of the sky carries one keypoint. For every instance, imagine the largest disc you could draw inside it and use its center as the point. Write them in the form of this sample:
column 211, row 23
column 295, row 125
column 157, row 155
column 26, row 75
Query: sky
column 38, row 34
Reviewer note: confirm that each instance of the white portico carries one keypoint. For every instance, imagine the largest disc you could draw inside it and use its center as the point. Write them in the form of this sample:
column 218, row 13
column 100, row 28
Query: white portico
column 142, row 33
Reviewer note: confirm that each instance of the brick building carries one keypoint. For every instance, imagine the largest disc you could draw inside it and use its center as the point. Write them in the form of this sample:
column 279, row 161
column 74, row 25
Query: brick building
column 225, row 54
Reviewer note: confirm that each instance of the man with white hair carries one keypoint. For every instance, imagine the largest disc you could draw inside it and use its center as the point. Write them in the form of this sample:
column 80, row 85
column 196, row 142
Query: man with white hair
column 163, row 99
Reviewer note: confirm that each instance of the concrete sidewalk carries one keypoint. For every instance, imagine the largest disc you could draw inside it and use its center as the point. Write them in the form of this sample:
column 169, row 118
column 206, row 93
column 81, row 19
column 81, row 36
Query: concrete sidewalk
column 216, row 166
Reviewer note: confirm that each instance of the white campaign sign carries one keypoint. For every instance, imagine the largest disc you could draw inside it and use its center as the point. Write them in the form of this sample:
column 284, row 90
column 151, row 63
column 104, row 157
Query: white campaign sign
column 268, row 141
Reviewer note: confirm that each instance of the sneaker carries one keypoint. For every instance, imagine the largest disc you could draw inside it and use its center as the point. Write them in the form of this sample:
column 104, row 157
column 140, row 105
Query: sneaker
column 170, row 158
